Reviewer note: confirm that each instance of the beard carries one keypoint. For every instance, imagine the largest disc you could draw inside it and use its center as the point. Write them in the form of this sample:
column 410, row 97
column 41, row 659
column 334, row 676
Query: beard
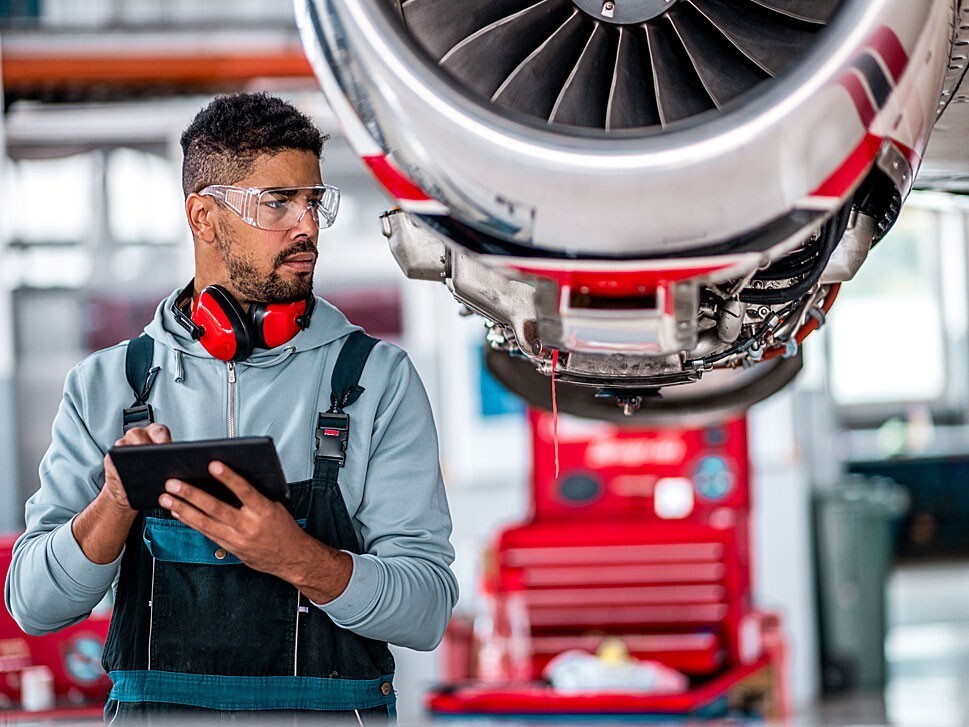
column 258, row 287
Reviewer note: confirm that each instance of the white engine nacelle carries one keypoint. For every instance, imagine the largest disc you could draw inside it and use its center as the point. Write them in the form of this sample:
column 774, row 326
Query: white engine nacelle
column 657, row 191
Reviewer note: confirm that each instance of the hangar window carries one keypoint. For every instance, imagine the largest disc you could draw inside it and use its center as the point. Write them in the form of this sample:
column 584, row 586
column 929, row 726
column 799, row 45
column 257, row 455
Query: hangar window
column 49, row 201
column 144, row 198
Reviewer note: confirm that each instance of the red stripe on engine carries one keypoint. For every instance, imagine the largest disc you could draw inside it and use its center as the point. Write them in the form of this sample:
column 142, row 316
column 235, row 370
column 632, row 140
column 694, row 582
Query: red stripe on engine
column 845, row 177
column 893, row 54
column 393, row 180
column 891, row 49
column 851, row 81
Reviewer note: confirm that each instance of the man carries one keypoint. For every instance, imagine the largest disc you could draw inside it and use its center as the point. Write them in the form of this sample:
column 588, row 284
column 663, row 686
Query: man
column 267, row 606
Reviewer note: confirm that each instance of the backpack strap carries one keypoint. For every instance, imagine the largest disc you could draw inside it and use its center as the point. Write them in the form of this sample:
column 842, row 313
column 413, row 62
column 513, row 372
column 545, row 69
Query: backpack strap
column 333, row 426
column 141, row 377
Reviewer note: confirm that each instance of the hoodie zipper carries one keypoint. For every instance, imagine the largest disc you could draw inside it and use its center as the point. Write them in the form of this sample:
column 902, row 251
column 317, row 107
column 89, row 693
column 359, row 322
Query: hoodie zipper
column 232, row 392
column 231, row 366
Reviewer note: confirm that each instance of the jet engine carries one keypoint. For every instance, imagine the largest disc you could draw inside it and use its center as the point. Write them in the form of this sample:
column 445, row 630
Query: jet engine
column 653, row 201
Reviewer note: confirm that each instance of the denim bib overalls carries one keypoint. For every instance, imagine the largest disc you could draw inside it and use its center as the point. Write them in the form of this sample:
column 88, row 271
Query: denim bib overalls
column 195, row 630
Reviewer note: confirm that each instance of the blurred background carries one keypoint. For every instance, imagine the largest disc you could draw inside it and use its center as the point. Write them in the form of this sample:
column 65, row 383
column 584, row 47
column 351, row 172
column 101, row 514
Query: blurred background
column 858, row 472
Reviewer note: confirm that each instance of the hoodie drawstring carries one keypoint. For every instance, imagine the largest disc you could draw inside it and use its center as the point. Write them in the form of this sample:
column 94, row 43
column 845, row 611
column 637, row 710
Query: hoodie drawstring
column 179, row 371
column 279, row 358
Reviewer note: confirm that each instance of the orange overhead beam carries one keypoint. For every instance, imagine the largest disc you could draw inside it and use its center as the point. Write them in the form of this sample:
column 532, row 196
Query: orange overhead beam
column 127, row 69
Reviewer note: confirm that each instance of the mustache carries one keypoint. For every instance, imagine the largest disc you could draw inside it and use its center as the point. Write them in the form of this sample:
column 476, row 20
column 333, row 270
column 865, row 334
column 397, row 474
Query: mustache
column 302, row 245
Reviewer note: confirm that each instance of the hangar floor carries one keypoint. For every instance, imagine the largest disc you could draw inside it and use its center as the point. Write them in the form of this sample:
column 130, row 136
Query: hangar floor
column 927, row 652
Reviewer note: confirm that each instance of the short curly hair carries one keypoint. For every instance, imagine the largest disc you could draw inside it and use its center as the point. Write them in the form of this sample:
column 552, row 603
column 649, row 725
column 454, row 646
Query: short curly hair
column 225, row 137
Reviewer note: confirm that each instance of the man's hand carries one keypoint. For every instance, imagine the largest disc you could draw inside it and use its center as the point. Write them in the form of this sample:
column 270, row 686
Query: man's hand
column 102, row 527
column 113, row 490
column 261, row 533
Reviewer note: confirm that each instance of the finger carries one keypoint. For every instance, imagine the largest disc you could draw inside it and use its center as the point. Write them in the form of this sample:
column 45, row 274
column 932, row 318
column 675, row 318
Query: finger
column 239, row 485
column 158, row 433
column 202, row 501
column 136, row 435
column 196, row 519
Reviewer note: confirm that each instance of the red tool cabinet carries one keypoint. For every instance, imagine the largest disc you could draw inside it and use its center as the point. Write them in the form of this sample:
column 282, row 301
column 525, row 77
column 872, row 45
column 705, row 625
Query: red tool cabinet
column 643, row 536
column 73, row 655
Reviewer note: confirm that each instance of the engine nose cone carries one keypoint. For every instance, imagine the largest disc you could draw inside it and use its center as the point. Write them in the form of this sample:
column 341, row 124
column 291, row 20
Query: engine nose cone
column 624, row 12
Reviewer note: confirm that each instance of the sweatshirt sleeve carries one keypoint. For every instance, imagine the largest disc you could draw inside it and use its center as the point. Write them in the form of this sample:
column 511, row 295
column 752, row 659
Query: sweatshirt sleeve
column 402, row 589
column 51, row 584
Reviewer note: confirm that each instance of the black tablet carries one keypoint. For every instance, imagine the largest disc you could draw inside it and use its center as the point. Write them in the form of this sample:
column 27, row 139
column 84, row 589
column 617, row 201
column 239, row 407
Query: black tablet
column 144, row 468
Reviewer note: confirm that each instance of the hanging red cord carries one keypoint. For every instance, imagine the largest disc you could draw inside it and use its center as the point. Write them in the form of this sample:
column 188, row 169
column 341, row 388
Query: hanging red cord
column 555, row 413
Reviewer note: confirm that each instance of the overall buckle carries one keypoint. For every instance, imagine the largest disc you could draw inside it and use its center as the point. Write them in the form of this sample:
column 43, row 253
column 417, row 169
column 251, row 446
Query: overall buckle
column 332, row 432
column 138, row 415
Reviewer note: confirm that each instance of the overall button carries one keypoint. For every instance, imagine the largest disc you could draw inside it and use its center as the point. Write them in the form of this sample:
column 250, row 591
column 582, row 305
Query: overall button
column 385, row 688
column 220, row 553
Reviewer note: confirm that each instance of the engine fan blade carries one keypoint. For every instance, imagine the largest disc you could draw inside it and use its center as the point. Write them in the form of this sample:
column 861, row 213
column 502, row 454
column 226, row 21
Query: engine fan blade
column 486, row 58
column 534, row 84
column 584, row 98
column 724, row 71
column 442, row 24
column 810, row 11
column 762, row 36
column 632, row 102
column 560, row 62
column 679, row 92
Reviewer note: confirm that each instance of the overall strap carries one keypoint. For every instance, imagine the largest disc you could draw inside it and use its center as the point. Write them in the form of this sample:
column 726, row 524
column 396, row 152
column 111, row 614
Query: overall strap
column 141, row 377
column 344, row 385
column 333, row 426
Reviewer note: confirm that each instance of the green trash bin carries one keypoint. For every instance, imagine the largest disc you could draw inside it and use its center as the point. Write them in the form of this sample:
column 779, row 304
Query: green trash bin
column 854, row 546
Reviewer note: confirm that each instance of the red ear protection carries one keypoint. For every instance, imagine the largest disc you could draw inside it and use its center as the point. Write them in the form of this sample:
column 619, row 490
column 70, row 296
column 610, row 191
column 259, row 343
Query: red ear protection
column 224, row 328
column 229, row 333
column 276, row 323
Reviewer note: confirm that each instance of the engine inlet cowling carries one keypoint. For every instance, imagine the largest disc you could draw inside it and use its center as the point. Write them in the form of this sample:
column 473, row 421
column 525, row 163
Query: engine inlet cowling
column 652, row 193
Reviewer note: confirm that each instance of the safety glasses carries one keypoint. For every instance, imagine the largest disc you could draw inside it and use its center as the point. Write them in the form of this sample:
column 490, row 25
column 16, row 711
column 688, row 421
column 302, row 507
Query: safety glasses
column 279, row 208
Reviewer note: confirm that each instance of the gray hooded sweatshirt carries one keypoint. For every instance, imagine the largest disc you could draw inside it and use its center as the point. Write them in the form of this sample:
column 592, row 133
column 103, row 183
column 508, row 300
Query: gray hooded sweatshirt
column 401, row 590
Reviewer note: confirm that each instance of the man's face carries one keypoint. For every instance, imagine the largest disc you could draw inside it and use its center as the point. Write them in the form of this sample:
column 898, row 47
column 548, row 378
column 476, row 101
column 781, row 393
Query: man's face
column 271, row 266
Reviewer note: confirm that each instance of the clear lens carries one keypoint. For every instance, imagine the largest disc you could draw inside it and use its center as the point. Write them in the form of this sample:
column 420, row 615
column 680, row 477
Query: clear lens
column 282, row 208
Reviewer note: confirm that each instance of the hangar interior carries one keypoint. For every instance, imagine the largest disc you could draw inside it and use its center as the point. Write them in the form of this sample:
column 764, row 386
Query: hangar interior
column 857, row 469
